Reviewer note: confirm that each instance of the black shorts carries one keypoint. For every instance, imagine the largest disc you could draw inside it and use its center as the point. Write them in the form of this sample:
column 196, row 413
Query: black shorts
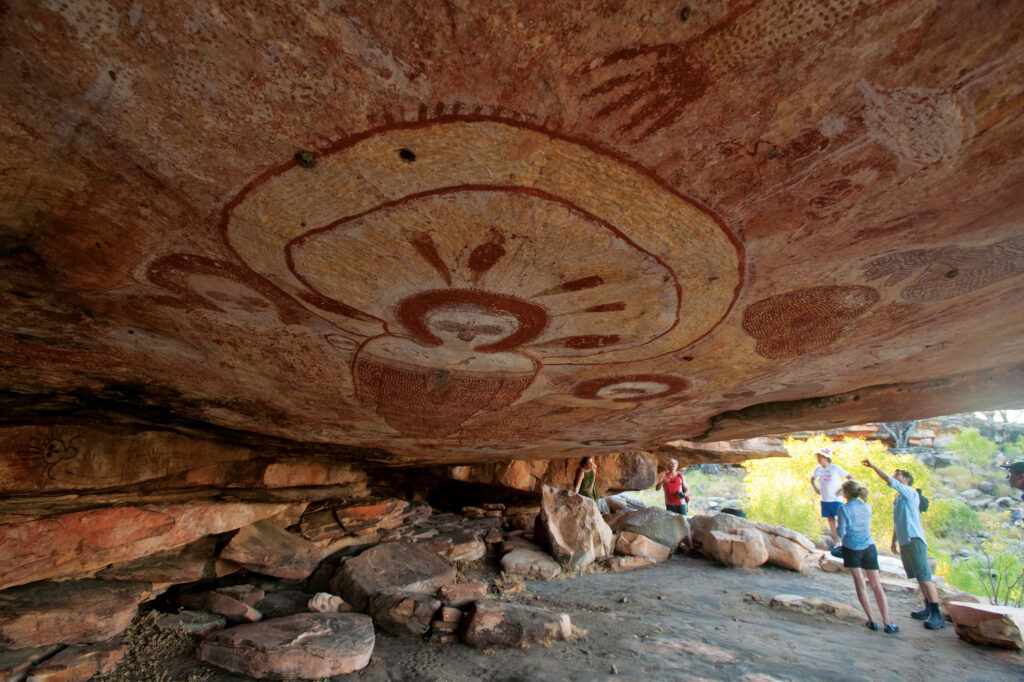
column 677, row 508
column 866, row 558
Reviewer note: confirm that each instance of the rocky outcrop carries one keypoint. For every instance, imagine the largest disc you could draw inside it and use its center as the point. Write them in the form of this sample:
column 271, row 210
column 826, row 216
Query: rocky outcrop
column 79, row 662
column 68, row 613
column 308, row 646
column 494, row 623
column 572, row 529
column 1000, row 626
column 632, row 470
column 265, row 547
column 388, row 568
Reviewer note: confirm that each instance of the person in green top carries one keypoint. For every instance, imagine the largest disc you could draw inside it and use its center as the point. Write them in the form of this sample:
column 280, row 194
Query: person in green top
column 586, row 478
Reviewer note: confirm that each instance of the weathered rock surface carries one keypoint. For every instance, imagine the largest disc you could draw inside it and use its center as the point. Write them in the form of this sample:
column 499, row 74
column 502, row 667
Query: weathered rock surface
column 461, row 595
column 618, row 564
column 815, row 606
column 1001, row 626
column 79, row 543
column 634, row 544
column 191, row 563
column 572, row 528
column 80, row 662
column 15, row 663
column 518, row 542
column 493, row 623
column 304, row 646
column 664, row 527
column 68, row 613
column 403, row 613
column 265, row 547
column 633, row 470
column 391, row 567
column 325, row 602
column 234, row 610
column 742, row 548
column 530, row 563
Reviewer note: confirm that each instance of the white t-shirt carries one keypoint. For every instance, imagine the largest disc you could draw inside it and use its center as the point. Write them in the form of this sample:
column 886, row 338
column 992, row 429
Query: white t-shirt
column 830, row 479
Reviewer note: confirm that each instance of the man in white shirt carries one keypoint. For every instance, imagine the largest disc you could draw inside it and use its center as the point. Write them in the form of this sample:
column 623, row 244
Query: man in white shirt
column 826, row 480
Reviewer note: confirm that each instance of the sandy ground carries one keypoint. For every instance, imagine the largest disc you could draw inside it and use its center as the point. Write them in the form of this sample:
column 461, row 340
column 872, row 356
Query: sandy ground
column 688, row 619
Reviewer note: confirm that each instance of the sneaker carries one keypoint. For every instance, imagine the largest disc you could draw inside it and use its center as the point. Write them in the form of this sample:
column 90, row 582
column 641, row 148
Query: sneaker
column 922, row 614
column 872, row 625
column 891, row 629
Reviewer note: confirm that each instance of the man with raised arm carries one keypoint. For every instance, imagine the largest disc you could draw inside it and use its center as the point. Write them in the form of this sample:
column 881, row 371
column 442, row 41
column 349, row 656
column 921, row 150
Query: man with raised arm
column 908, row 534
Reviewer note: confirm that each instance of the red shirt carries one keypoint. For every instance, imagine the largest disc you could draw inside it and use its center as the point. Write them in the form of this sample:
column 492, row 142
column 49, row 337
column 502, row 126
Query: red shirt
column 673, row 485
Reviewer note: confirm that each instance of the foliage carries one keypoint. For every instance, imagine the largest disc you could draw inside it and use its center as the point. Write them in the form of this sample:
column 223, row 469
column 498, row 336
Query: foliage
column 1014, row 449
column 950, row 518
column 997, row 568
column 778, row 489
column 974, row 448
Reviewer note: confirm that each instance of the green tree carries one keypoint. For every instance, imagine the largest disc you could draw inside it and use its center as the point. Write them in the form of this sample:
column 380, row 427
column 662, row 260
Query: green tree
column 973, row 448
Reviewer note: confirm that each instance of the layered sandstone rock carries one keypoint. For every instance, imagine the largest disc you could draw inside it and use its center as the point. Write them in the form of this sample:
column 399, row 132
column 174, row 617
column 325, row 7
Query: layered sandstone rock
column 742, row 548
column 662, row 526
column 305, row 646
column 785, row 548
column 79, row 662
column 571, row 527
column 267, row 548
column 634, row 544
column 403, row 613
column 530, row 564
column 1001, row 626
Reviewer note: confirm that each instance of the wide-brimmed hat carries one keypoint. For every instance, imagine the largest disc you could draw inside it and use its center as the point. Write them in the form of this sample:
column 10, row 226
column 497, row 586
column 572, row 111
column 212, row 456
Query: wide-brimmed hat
column 825, row 452
column 1015, row 467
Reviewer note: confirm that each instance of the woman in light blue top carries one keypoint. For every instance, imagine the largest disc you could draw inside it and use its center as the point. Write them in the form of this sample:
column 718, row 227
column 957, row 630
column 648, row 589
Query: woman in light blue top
column 859, row 552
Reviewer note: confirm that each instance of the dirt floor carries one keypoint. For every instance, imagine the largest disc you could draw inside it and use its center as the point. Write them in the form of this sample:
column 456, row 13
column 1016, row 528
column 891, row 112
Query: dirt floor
column 690, row 619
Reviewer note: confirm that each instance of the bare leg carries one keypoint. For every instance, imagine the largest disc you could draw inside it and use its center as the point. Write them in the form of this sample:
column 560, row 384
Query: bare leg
column 929, row 591
column 832, row 527
column 883, row 603
column 862, row 593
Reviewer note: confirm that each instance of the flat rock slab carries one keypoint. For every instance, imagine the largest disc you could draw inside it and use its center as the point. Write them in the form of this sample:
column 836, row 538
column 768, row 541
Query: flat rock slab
column 618, row 564
column 14, row 664
column 234, row 610
column 80, row 662
column 192, row 622
column 664, row 527
column 813, row 606
column 461, row 595
column 305, row 646
column 495, row 623
column 1001, row 626
column 391, row 567
column 530, row 563
column 265, row 547
column 634, row 544
column 75, row 612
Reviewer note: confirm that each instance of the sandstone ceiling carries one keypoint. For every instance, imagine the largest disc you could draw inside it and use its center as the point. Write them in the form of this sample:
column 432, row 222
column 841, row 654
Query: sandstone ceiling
column 468, row 231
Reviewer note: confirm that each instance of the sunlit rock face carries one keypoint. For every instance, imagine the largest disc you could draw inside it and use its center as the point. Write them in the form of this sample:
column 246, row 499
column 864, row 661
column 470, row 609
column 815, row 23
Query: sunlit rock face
column 421, row 234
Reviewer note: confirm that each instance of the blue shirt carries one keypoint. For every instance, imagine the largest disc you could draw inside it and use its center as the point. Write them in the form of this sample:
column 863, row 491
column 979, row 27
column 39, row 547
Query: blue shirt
column 855, row 524
column 906, row 513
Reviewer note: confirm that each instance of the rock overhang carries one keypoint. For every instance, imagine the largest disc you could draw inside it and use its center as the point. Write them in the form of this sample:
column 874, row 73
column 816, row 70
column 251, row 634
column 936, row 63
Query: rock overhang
column 539, row 232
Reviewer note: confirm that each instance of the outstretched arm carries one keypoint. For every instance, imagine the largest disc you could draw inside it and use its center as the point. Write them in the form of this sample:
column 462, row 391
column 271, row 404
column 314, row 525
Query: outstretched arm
column 881, row 474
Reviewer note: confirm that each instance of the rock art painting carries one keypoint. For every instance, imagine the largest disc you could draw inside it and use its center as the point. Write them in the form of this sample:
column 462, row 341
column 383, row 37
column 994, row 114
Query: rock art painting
column 800, row 322
column 949, row 271
column 470, row 252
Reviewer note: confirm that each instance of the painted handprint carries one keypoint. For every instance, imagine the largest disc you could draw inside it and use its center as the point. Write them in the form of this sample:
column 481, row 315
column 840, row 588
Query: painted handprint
column 949, row 271
column 652, row 98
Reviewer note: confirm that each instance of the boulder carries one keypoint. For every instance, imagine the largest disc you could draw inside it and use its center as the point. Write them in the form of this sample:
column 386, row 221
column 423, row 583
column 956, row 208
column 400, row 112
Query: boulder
column 79, row 662
column 518, row 542
column 306, row 646
column 192, row 622
column 325, row 602
column 1000, row 626
column 391, row 567
column 618, row 564
column 887, row 565
column 465, row 545
column 664, row 527
column 403, row 613
column 76, row 612
column 634, row 544
column 461, row 595
column 530, row 563
column 234, row 610
column 494, row 623
column 786, row 548
column 265, row 547
column 571, row 528
column 743, row 548
column 623, row 502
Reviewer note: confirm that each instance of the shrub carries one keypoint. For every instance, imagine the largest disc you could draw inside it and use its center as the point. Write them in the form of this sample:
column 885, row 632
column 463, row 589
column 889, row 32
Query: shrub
column 950, row 518
column 778, row 489
column 972, row 447
column 997, row 571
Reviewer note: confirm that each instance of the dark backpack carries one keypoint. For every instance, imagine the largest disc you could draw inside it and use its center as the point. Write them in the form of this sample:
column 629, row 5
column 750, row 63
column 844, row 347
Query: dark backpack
column 924, row 501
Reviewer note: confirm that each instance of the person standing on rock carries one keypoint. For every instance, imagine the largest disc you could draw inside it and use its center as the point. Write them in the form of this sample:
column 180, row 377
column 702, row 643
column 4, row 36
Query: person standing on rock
column 675, row 488
column 908, row 534
column 586, row 478
column 860, row 554
column 826, row 480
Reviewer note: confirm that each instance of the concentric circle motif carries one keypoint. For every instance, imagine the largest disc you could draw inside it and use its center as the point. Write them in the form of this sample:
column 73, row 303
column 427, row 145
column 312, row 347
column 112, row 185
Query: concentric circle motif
column 469, row 253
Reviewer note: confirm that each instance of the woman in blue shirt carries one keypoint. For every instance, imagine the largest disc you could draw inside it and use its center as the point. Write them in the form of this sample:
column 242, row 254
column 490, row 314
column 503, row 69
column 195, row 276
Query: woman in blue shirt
column 859, row 552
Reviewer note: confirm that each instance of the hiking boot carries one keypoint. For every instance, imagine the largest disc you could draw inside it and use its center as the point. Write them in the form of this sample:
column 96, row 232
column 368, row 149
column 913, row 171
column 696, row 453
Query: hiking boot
column 935, row 621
